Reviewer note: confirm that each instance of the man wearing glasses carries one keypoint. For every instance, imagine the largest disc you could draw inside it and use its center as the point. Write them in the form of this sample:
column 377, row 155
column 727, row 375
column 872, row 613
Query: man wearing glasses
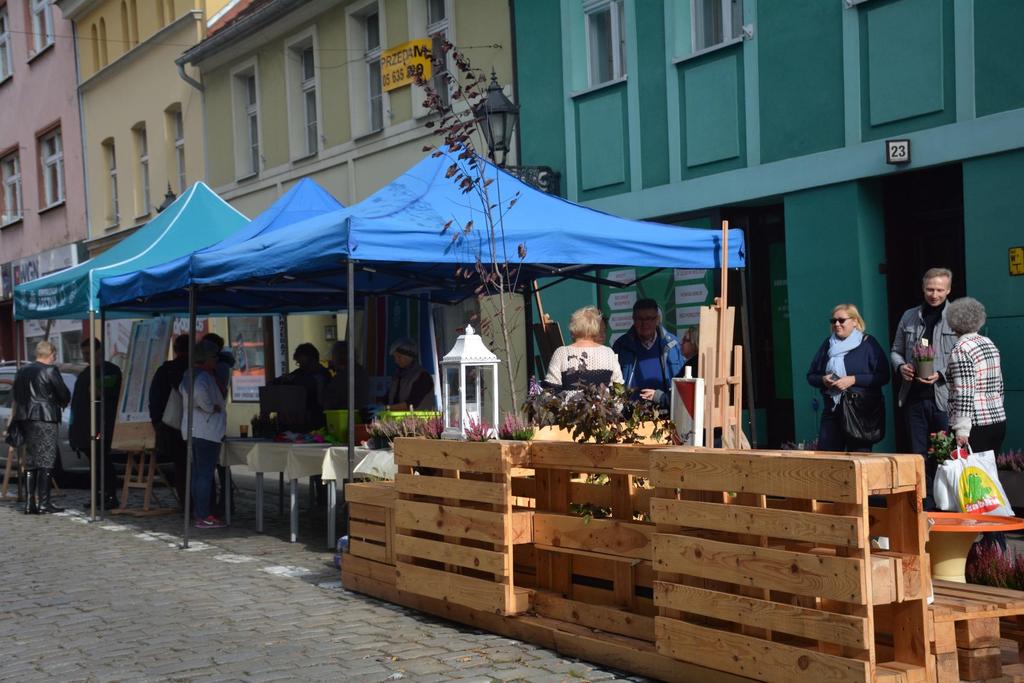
column 924, row 399
column 649, row 355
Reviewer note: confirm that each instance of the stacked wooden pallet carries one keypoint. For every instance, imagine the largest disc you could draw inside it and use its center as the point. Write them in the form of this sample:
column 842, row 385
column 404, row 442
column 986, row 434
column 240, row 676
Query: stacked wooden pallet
column 977, row 635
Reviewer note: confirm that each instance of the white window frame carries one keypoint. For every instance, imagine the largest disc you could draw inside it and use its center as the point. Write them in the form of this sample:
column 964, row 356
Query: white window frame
column 358, row 69
column 371, row 56
column 113, row 206
column 6, row 57
column 616, row 10
column 419, row 26
column 178, row 134
column 731, row 31
column 143, row 189
column 296, row 88
column 243, row 111
column 52, row 195
column 309, row 87
column 442, row 26
column 13, row 204
column 41, row 24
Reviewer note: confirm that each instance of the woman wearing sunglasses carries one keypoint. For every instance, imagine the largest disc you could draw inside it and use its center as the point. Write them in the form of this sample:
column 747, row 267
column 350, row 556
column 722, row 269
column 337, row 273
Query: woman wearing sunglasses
column 848, row 361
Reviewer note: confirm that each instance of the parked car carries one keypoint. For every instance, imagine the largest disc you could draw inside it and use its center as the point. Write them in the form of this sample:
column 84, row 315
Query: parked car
column 70, row 461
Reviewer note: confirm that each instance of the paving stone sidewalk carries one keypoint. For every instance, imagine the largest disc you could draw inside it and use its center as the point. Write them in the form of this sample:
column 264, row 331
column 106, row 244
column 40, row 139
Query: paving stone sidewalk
column 118, row 600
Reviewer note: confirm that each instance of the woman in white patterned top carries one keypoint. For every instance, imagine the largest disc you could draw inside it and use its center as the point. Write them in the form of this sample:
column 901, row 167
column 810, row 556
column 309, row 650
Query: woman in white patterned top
column 975, row 380
column 587, row 360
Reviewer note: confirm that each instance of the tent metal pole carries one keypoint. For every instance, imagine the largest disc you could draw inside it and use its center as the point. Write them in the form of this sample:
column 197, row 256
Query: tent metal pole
column 188, row 418
column 103, row 412
column 351, row 360
column 19, row 335
column 748, row 364
column 92, row 420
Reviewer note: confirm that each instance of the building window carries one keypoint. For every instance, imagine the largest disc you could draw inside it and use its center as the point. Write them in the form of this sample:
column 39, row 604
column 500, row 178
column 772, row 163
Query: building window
column 113, row 215
column 126, row 39
column 252, row 124
column 606, row 42
column 437, row 29
column 309, row 99
column 95, row 36
column 170, row 9
column 103, row 43
column 178, row 128
column 42, row 24
column 142, row 194
column 51, row 156
column 10, row 170
column 6, row 63
column 371, row 25
column 247, row 122
column 716, row 22
column 133, row 18
column 303, row 85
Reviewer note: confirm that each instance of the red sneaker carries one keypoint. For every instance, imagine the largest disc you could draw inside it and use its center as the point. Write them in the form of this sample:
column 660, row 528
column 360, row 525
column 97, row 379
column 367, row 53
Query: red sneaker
column 210, row 522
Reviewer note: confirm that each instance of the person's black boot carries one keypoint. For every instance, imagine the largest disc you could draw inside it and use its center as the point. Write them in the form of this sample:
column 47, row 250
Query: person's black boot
column 31, row 477
column 43, row 486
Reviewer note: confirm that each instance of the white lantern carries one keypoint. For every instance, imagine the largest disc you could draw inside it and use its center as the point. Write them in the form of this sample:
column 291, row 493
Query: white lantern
column 464, row 368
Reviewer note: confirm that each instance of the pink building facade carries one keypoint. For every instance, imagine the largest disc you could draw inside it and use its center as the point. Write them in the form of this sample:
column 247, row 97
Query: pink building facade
column 42, row 185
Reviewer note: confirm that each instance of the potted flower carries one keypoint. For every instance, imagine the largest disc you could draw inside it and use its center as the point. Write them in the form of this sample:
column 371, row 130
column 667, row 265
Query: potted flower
column 941, row 446
column 1011, row 476
column 924, row 359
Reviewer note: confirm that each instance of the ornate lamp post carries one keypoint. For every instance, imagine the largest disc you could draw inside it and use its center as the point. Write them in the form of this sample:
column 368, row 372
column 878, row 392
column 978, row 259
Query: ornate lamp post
column 497, row 117
column 463, row 369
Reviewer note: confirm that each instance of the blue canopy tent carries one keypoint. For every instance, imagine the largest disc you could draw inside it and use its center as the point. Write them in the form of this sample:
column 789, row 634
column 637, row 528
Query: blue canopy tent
column 396, row 242
column 196, row 219
column 400, row 241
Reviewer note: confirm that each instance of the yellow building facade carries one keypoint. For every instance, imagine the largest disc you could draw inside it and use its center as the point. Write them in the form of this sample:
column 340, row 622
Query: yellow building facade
column 142, row 119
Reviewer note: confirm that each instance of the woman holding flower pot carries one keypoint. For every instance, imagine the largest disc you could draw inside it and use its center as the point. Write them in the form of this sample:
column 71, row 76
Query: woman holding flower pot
column 975, row 380
column 848, row 361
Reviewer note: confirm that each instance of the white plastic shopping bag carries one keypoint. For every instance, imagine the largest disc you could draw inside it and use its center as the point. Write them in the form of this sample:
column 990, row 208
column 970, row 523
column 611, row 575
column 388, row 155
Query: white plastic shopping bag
column 969, row 482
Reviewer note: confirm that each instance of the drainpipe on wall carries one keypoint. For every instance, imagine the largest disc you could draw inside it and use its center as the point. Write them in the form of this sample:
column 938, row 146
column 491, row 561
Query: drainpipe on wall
column 188, row 79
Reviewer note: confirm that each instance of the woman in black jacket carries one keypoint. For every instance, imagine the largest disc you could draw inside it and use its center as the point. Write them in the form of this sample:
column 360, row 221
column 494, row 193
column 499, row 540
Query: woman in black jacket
column 848, row 361
column 39, row 396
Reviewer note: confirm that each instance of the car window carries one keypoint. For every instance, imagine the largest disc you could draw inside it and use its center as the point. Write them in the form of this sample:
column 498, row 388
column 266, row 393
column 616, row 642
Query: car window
column 6, row 392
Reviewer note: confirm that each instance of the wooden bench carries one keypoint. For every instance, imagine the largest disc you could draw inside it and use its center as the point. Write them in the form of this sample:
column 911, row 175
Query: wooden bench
column 977, row 634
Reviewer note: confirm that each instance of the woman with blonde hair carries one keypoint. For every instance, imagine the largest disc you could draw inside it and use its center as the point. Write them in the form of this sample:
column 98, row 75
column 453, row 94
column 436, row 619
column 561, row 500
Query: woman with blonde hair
column 587, row 360
column 848, row 361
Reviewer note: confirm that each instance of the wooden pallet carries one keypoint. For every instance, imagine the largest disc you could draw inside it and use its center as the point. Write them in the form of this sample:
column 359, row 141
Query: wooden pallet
column 371, row 530
column 455, row 523
column 756, row 576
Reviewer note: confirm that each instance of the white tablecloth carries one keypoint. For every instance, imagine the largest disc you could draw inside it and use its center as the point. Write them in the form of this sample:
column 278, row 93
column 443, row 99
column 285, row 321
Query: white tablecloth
column 297, row 461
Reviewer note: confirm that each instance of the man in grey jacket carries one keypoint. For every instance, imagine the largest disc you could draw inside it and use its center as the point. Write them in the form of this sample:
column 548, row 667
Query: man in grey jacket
column 924, row 399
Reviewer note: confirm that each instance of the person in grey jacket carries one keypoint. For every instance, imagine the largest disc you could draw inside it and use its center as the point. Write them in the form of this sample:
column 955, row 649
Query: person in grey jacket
column 925, row 399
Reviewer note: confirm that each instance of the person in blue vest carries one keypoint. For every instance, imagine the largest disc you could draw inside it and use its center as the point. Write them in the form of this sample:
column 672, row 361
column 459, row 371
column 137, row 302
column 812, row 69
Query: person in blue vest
column 649, row 355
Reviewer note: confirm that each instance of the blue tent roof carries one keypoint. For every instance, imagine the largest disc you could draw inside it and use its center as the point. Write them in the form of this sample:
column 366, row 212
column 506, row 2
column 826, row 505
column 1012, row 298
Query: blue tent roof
column 396, row 238
column 305, row 200
column 196, row 219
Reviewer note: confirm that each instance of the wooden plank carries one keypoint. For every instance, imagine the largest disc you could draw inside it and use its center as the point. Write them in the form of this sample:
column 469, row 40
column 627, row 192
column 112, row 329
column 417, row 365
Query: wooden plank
column 834, row 479
column 368, row 532
column 467, row 591
column 463, row 556
column 976, row 633
column 369, row 551
column 775, row 616
column 479, row 525
column 901, row 672
column 367, row 513
column 594, row 616
column 944, row 639
column 884, row 580
column 494, row 493
column 377, row 571
column 379, row 493
column 493, row 457
column 798, row 526
column 837, row 578
column 589, row 457
column 979, row 664
column 912, row 585
column 753, row 657
column 946, row 668
column 608, row 536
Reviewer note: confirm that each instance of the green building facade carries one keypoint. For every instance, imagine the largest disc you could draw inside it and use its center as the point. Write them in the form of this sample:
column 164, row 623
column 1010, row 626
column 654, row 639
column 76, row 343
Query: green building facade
column 774, row 115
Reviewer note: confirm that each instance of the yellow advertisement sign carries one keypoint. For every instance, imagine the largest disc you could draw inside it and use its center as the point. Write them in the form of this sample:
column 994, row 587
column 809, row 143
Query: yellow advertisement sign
column 400, row 65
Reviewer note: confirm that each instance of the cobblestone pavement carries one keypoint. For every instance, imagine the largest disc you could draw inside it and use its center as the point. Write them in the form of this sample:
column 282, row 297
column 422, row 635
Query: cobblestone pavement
column 118, row 600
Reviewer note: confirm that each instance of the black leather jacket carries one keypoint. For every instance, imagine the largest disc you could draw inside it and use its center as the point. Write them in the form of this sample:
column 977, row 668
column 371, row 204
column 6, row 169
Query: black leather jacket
column 39, row 393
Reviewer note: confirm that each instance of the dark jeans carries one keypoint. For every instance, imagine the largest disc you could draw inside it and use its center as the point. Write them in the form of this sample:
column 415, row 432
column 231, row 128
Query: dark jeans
column 924, row 418
column 205, row 455
column 831, row 436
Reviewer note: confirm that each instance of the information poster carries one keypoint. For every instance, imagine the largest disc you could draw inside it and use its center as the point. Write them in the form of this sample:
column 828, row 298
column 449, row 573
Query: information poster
column 147, row 350
column 249, row 374
column 680, row 292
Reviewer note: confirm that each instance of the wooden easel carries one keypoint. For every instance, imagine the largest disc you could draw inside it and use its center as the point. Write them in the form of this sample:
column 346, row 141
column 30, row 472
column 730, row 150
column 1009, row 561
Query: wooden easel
column 140, row 468
column 722, row 371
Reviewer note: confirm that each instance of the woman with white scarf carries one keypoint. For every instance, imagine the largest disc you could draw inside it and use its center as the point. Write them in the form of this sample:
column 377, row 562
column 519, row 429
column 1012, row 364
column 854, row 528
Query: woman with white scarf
column 848, row 360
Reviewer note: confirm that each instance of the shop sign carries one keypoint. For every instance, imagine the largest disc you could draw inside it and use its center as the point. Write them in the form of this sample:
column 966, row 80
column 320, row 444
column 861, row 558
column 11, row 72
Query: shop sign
column 682, row 274
column 688, row 316
column 14, row 273
column 402, row 64
column 1016, row 260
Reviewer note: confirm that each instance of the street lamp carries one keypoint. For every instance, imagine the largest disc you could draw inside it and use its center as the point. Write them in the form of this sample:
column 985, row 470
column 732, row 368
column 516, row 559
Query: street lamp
column 168, row 199
column 496, row 115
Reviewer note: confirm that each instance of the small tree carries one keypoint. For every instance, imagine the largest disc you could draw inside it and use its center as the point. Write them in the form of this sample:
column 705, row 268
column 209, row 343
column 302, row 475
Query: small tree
column 496, row 269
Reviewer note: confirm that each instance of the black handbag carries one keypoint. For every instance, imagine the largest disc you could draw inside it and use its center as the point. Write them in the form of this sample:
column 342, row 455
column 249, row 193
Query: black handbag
column 15, row 434
column 863, row 416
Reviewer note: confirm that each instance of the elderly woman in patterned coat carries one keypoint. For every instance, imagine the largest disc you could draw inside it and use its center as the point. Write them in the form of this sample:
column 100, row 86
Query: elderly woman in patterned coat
column 975, row 380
